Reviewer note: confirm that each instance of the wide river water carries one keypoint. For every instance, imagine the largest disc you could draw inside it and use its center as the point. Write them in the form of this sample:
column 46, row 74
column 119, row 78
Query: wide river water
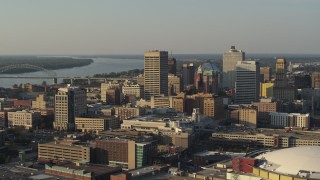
column 118, row 63
column 100, row 65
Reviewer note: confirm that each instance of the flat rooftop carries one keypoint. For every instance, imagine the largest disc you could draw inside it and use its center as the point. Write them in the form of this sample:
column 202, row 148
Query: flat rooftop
column 145, row 170
column 270, row 132
column 96, row 169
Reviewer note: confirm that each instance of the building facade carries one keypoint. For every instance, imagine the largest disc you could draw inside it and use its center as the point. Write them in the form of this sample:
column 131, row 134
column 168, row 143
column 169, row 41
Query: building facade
column 266, row 89
column 207, row 78
column 160, row 101
column 155, row 73
column 264, row 107
column 174, row 85
column 26, row 119
column 63, row 152
column 188, row 71
column 248, row 116
column 133, row 89
column 172, row 66
column 266, row 72
column 96, row 124
column 247, row 82
column 230, row 60
column 315, row 80
column 281, row 120
column 70, row 102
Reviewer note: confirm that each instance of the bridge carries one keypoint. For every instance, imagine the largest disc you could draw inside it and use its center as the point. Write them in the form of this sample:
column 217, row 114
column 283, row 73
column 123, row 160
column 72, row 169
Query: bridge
column 53, row 75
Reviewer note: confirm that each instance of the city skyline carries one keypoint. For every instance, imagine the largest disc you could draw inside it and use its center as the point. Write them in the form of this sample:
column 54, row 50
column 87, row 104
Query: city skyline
column 113, row 27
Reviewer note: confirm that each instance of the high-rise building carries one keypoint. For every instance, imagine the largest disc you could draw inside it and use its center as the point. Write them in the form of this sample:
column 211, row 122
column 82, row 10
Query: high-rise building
column 247, row 82
column 207, row 78
column 172, row 66
column 155, row 73
column 266, row 72
column 230, row 60
column 281, row 89
column 188, row 71
column 316, row 80
column 70, row 102
column 281, row 73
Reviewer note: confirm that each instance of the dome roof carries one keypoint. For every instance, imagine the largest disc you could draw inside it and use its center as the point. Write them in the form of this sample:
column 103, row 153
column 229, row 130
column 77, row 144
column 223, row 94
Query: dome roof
column 292, row 160
column 210, row 67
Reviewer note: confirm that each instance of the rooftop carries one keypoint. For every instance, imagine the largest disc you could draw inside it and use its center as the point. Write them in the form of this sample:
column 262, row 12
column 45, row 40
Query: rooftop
column 270, row 132
column 292, row 160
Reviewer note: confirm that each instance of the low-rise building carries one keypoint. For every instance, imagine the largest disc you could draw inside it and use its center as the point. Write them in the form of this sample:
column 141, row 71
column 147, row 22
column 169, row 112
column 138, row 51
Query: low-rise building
column 83, row 172
column 160, row 101
column 26, row 119
column 271, row 138
column 133, row 89
column 60, row 151
column 96, row 124
column 129, row 154
column 282, row 120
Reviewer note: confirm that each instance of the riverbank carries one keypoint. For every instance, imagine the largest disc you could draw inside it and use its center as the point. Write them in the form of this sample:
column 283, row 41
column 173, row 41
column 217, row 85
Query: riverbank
column 50, row 63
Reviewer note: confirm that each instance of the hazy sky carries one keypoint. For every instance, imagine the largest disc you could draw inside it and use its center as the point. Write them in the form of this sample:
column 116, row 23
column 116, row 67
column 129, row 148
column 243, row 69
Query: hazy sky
column 180, row 26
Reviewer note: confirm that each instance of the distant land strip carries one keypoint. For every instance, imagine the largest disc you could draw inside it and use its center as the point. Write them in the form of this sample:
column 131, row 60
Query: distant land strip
column 50, row 63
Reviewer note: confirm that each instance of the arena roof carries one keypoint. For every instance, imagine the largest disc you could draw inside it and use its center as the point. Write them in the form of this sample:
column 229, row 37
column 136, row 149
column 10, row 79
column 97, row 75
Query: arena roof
column 292, row 160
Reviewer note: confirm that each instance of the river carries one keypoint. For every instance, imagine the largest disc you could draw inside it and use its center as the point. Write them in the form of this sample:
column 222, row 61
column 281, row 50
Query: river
column 99, row 65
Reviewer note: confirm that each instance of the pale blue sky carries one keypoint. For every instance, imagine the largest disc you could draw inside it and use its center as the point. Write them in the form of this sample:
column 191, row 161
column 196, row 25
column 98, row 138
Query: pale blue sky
column 180, row 26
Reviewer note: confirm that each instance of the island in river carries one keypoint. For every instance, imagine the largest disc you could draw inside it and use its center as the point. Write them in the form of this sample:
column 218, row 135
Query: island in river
column 50, row 63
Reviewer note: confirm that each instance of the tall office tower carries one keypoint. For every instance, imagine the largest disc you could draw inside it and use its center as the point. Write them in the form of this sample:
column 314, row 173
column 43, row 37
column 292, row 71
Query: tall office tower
column 172, row 65
column 155, row 73
column 281, row 90
column 315, row 80
column 207, row 78
column 70, row 102
column 266, row 72
column 281, row 73
column 247, row 82
column 230, row 60
column 188, row 74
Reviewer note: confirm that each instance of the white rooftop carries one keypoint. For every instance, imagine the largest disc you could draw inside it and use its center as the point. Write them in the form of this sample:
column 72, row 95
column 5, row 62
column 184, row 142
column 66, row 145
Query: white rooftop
column 293, row 160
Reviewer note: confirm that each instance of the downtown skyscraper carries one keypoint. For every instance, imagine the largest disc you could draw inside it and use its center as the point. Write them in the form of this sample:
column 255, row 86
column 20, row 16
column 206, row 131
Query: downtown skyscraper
column 230, row 60
column 70, row 102
column 155, row 73
column 247, row 82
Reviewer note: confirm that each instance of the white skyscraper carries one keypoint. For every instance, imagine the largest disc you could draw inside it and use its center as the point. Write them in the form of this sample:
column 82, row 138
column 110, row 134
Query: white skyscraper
column 230, row 60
